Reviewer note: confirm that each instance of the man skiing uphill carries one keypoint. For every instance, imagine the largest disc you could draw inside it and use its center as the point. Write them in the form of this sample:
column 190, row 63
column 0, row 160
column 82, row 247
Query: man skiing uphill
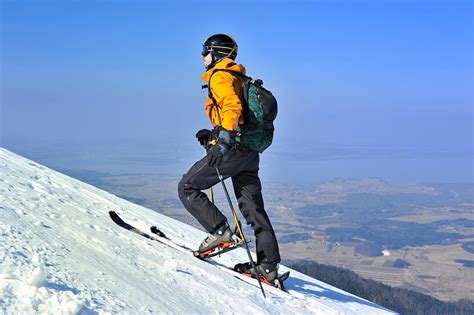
column 233, row 159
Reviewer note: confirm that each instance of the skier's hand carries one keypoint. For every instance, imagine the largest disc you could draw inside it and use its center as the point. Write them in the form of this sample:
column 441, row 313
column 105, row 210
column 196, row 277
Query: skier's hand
column 204, row 136
column 218, row 150
column 215, row 154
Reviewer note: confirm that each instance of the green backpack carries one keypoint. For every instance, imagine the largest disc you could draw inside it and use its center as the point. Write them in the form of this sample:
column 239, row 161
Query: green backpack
column 259, row 111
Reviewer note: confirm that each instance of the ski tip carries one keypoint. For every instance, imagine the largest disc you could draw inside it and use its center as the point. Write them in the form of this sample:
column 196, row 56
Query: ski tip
column 115, row 217
column 279, row 282
column 284, row 276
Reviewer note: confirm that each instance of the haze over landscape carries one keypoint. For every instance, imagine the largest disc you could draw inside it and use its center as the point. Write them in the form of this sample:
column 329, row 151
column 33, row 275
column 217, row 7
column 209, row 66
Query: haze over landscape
column 365, row 88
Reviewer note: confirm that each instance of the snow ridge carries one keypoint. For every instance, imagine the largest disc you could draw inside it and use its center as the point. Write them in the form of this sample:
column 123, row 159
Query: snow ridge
column 60, row 253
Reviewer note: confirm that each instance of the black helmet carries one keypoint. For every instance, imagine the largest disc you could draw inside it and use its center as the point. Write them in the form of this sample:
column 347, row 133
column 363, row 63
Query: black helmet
column 220, row 46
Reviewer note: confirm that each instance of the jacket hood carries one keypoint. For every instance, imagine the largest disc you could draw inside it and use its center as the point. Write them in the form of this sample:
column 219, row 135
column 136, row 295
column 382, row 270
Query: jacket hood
column 227, row 64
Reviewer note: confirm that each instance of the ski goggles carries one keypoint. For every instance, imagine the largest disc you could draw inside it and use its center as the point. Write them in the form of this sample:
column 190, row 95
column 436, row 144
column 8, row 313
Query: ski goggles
column 223, row 50
column 206, row 50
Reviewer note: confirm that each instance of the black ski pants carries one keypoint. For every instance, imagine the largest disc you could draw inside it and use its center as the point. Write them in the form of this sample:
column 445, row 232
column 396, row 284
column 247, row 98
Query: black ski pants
column 241, row 164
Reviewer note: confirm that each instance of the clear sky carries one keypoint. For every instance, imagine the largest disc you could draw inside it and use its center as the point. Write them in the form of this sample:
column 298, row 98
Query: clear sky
column 379, row 74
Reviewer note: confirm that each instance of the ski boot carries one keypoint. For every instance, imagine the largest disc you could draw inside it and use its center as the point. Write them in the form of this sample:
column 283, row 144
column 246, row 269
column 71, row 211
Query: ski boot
column 268, row 273
column 222, row 240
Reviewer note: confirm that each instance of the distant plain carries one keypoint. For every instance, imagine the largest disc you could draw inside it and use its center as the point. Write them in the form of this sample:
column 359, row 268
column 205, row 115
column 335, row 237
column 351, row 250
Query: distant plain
column 348, row 222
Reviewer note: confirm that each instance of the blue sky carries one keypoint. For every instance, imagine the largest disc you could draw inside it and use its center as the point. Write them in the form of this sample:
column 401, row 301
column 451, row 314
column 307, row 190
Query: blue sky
column 392, row 74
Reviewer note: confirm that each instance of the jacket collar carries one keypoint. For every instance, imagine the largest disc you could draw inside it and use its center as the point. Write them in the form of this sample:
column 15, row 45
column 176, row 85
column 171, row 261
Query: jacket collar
column 227, row 64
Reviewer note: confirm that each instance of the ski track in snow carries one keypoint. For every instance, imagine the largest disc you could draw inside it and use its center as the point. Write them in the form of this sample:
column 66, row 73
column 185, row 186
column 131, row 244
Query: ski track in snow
column 61, row 254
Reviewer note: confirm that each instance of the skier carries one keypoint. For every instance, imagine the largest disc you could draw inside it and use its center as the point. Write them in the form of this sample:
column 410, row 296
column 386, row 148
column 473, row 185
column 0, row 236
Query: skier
column 232, row 159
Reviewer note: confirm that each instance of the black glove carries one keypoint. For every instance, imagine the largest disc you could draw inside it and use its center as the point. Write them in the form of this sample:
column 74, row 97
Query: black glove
column 223, row 145
column 204, row 136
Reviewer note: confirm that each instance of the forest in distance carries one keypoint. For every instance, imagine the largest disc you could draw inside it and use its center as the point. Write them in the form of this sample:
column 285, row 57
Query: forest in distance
column 402, row 301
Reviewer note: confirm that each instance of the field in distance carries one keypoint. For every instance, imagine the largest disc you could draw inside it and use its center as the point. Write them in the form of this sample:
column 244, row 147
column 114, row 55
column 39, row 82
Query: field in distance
column 414, row 235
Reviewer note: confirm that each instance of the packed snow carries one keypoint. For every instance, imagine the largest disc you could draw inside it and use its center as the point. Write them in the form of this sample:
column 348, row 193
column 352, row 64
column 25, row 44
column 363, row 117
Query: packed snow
column 61, row 253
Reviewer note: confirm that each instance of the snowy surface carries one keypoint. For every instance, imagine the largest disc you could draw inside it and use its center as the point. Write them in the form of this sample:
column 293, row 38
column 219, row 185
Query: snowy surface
column 61, row 254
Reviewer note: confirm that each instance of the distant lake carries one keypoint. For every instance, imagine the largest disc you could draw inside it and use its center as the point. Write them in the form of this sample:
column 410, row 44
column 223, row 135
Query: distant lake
column 302, row 168
column 416, row 169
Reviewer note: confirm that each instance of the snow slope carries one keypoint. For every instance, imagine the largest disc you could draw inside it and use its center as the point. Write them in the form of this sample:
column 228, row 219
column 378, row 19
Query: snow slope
column 61, row 253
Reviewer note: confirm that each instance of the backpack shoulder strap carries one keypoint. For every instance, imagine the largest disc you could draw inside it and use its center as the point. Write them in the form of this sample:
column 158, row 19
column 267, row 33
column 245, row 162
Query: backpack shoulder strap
column 208, row 85
column 209, row 91
column 232, row 71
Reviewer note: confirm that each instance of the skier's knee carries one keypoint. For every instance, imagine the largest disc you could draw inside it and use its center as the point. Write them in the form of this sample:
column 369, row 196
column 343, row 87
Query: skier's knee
column 185, row 188
column 181, row 185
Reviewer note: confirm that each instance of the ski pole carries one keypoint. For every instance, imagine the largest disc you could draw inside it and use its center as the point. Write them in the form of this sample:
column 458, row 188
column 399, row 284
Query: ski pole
column 211, row 193
column 254, row 267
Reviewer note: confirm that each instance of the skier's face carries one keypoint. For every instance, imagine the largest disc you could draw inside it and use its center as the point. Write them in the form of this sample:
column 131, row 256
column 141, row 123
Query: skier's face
column 207, row 59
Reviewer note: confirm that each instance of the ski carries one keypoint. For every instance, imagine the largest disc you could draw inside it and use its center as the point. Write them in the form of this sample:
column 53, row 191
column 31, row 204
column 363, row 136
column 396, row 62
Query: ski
column 118, row 220
column 220, row 251
column 161, row 239
column 196, row 253
column 278, row 281
column 159, row 236
column 158, row 232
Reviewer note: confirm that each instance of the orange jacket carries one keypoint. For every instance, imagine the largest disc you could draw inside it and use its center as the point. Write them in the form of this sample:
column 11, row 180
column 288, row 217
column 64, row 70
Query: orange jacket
column 225, row 88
